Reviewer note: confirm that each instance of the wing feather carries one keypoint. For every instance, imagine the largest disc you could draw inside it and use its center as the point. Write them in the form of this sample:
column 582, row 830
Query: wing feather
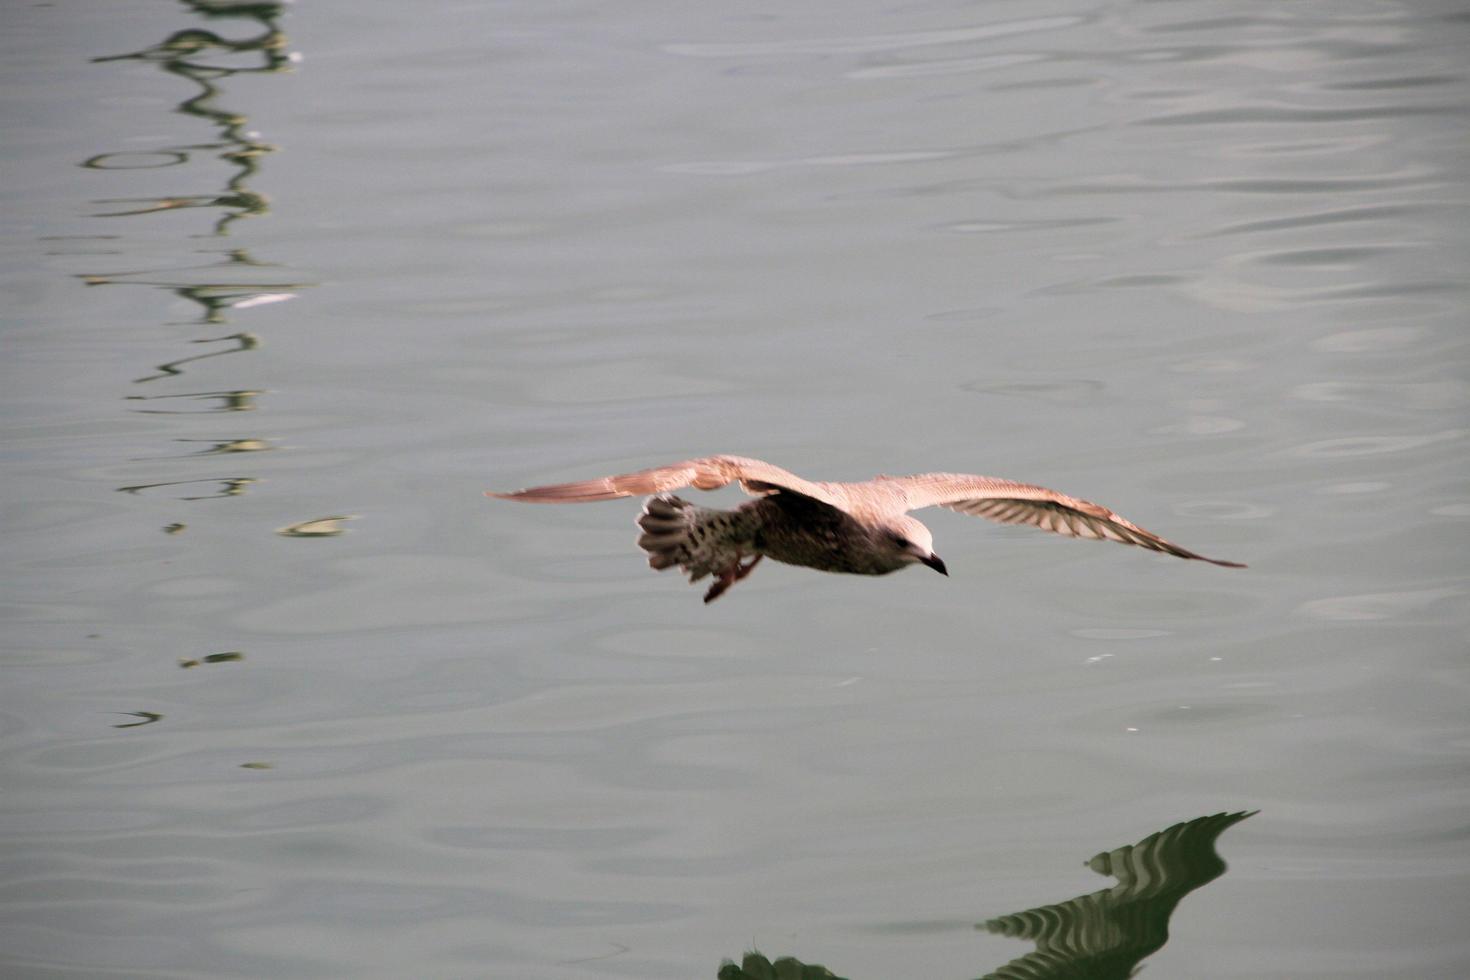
column 755, row 477
column 1008, row 502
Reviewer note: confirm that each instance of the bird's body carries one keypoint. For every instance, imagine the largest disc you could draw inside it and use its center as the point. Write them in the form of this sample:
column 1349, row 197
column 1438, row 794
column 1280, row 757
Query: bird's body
column 855, row 528
column 797, row 531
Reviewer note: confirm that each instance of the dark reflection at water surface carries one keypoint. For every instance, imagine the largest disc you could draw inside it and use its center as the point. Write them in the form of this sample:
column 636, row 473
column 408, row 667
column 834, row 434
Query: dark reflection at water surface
column 1105, row 934
column 1102, row 935
column 186, row 53
column 229, row 401
column 230, row 486
column 215, row 287
column 754, row 966
column 232, row 279
column 243, row 342
column 148, row 718
column 228, row 657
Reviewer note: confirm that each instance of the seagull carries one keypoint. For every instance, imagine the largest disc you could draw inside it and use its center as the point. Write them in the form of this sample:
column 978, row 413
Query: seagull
column 856, row 528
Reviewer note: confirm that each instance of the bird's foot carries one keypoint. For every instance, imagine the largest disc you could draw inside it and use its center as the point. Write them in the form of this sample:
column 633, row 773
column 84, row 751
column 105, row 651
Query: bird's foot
column 723, row 580
column 743, row 570
column 729, row 576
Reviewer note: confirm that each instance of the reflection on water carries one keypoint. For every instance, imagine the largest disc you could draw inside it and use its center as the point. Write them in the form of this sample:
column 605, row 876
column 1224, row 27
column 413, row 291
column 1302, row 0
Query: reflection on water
column 230, row 486
column 235, row 279
column 232, row 446
column 243, row 342
column 320, row 527
column 182, row 54
column 148, row 718
column 229, row 401
column 754, row 966
column 1103, row 935
column 228, row 657
column 215, row 287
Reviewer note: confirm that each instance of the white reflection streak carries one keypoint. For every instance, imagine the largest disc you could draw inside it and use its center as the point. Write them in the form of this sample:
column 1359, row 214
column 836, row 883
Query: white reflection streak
column 262, row 300
column 871, row 42
column 948, row 66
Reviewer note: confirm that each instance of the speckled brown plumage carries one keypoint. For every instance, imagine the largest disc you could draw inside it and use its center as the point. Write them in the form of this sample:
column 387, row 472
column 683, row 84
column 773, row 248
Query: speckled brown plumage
column 857, row 528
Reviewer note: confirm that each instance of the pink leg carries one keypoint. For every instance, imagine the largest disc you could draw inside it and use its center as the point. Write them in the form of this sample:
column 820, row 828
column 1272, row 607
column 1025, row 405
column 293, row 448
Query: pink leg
column 744, row 570
column 729, row 576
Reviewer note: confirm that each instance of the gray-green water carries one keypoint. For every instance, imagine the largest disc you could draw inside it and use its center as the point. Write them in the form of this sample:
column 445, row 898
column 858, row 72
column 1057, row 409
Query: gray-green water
column 1203, row 262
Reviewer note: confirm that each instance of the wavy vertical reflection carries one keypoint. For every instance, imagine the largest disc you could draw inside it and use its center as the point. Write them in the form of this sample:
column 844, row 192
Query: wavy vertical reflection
column 231, row 278
column 184, row 53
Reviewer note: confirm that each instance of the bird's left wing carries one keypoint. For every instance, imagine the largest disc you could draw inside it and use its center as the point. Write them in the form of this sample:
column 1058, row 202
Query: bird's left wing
column 1021, row 503
column 706, row 473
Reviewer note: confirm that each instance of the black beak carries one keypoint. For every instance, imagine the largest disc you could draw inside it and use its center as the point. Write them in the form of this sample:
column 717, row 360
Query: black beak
column 936, row 563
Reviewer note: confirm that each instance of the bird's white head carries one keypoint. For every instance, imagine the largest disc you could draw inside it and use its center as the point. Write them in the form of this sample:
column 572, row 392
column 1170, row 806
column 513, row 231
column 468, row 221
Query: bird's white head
column 913, row 543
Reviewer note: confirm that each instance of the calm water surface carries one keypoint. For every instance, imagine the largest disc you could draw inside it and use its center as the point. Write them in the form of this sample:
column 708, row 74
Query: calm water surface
column 287, row 287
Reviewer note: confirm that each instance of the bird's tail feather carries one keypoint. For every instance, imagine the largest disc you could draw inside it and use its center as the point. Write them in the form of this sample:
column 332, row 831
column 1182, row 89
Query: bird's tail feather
column 676, row 532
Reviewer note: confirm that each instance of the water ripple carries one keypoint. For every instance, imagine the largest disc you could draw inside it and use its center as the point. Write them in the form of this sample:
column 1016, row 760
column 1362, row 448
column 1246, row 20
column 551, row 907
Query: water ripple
column 741, row 168
column 1368, row 341
column 1340, row 257
column 867, row 43
column 949, row 66
column 1073, row 391
column 1259, row 115
column 1224, row 510
column 1375, row 445
column 1439, row 395
column 1111, row 184
column 1388, row 84
column 1355, row 487
column 1377, row 605
column 990, row 226
column 1201, row 425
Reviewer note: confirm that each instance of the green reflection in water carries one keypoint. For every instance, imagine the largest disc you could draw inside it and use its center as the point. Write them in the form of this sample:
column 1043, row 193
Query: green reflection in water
column 243, row 341
column 216, row 448
column 230, row 282
column 250, row 42
column 754, row 966
column 232, row 486
column 1099, row 936
column 229, row 401
column 1104, row 935
column 231, row 446
column 189, row 54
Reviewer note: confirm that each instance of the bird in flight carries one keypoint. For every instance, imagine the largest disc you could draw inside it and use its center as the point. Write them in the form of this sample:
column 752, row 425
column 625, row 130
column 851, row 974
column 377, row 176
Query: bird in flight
column 857, row 528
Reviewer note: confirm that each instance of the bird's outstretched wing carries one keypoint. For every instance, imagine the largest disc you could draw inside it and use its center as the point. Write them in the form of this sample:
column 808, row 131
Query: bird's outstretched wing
column 706, row 473
column 1022, row 503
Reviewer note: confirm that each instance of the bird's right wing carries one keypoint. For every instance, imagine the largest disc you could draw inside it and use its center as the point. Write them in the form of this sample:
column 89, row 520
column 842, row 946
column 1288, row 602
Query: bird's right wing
column 706, row 473
column 1007, row 502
